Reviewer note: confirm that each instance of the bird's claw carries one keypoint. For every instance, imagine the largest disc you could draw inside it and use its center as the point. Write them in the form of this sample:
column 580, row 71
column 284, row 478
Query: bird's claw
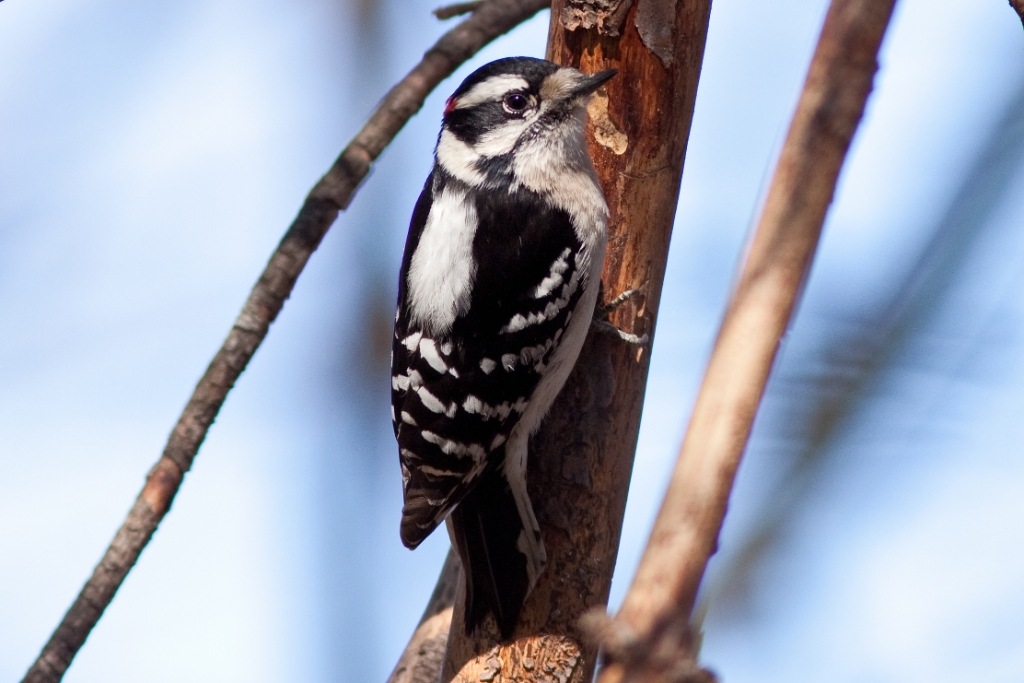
column 606, row 308
column 606, row 327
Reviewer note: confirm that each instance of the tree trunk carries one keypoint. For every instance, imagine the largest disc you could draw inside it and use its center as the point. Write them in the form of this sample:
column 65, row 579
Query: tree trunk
column 581, row 460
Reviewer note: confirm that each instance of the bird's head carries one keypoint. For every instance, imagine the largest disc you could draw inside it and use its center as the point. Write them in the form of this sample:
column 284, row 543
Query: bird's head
column 515, row 107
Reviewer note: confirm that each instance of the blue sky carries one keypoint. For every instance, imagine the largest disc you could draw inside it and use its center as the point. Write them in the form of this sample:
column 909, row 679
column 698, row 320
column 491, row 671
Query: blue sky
column 151, row 155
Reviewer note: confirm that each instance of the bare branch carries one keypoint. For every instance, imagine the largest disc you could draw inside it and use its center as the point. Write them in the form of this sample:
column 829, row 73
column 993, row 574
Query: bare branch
column 421, row 660
column 658, row 605
column 330, row 195
column 856, row 362
column 580, row 461
column 457, row 9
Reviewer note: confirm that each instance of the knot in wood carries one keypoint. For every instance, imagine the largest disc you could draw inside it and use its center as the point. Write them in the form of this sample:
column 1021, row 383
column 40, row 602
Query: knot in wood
column 607, row 16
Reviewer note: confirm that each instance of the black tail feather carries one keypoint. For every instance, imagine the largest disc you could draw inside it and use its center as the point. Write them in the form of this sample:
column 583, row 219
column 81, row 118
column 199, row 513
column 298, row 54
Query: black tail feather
column 485, row 530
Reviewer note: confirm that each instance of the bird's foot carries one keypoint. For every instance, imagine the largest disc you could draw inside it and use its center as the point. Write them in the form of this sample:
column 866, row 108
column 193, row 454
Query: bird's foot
column 605, row 327
column 606, row 308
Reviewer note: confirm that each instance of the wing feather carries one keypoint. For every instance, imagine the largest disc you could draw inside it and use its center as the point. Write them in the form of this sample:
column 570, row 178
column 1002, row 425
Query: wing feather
column 457, row 396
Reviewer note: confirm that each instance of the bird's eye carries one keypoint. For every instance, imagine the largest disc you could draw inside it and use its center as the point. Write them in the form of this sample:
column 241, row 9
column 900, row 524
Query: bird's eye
column 516, row 103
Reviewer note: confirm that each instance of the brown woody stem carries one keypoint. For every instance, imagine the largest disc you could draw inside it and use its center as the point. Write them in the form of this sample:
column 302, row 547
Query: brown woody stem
column 658, row 605
column 581, row 459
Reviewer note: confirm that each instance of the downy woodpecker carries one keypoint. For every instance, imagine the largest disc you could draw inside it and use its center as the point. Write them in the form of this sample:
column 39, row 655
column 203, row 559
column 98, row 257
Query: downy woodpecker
column 497, row 290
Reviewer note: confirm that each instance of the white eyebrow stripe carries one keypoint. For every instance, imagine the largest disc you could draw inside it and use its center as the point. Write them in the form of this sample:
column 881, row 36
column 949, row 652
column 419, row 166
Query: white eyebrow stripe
column 491, row 90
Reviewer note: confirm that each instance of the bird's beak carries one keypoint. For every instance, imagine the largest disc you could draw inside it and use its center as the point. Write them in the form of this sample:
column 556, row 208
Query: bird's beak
column 592, row 82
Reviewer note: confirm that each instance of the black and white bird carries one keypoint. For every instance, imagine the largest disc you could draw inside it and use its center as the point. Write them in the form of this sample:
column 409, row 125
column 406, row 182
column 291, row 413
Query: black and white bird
column 497, row 290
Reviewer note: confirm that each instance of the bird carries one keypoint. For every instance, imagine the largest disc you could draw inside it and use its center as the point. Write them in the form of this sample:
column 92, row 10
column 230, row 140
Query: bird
column 497, row 289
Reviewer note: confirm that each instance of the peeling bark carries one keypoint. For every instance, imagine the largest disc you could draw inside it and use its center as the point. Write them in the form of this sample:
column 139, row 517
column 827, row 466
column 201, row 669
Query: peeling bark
column 605, row 16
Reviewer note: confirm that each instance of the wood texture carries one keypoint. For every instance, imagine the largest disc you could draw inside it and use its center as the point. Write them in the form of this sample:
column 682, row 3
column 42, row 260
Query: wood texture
column 330, row 195
column 656, row 611
column 582, row 458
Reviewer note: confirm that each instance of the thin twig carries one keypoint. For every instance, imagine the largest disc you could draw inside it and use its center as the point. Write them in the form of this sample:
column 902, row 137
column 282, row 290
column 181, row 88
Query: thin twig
column 686, row 531
column 457, row 10
column 329, row 196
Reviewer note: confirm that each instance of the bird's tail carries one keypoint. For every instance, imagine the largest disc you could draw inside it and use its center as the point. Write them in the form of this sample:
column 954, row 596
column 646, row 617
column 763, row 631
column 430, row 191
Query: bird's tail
column 501, row 552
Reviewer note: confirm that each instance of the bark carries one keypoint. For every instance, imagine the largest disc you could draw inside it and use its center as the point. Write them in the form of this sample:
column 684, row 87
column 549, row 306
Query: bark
column 330, row 195
column 650, row 634
column 581, row 460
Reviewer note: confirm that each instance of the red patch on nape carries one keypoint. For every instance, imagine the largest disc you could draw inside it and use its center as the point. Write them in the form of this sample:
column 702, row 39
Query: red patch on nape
column 449, row 105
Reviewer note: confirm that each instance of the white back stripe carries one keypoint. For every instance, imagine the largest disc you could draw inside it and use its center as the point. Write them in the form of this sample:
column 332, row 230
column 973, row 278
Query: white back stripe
column 441, row 274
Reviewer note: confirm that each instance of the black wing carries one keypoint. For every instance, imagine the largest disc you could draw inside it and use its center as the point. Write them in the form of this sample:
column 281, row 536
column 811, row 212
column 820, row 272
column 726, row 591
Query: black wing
column 456, row 397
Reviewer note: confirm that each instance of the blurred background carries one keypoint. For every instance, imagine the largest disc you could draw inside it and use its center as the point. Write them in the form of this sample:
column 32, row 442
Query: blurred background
column 152, row 154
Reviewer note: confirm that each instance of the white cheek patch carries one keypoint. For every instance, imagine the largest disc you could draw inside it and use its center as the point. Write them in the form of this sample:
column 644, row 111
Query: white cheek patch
column 555, row 164
column 458, row 158
column 491, row 90
column 503, row 139
column 442, row 270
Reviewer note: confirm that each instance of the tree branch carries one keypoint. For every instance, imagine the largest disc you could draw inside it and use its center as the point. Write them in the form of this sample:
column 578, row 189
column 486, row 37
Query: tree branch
column 653, row 621
column 456, row 9
column 581, row 460
column 856, row 363
column 329, row 196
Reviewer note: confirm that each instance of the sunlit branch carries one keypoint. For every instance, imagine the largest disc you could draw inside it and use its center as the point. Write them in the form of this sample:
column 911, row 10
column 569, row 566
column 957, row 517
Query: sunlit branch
column 649, row 638
column 856, row 361
column 329, row 196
